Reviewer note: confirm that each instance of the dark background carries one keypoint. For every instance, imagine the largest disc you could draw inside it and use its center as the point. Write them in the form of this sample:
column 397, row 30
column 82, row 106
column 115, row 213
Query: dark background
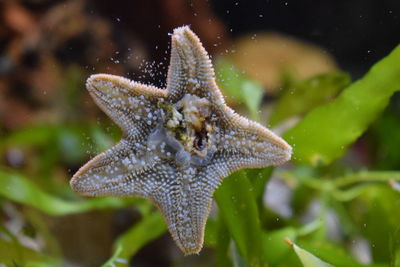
column 356, row 32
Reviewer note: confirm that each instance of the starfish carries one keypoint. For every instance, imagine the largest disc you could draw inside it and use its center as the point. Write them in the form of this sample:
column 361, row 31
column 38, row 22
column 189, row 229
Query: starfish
column 178, row 143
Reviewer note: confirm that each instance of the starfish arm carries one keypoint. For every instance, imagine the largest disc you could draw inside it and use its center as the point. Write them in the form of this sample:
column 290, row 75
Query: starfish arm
column 185, row 203
column 186, row 223
column 131, row 105
column 247, row 144
column 186, row 207
column 120, row 171
column 190, row 70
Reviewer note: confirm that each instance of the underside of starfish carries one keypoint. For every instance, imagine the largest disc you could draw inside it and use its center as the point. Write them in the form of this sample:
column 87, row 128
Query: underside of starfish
column 178, row 143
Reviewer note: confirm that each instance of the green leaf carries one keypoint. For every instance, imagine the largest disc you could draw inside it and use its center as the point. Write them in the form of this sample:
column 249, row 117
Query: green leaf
column 337, row 256
column 211, row 235
column 307, row 258
column 129, row 243
column 14, row 254
column 386, row 134
column 72, row 144
column 237, row 86
column 69, row 139
column 29, row 136
column 258, row 179
column 367, row 176
column 222, row 248
column 397, row 258
column 239, row 212
column 274, row 249
column 306, row 95
column 326, row 132
column 252, row 93
column 17, row 188
column 379, row 221
column 101, row 139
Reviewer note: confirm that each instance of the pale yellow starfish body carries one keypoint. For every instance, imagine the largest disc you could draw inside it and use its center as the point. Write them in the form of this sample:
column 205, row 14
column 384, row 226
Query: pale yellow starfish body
column 178, row 144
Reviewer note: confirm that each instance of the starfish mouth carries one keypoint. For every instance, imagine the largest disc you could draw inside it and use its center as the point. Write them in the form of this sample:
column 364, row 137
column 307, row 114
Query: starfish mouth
column 185, row 132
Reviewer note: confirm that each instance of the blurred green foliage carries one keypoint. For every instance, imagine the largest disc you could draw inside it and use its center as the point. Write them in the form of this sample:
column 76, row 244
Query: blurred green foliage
column 238, row 87
column 325, row 132
column 303, row 96
column 244, row 231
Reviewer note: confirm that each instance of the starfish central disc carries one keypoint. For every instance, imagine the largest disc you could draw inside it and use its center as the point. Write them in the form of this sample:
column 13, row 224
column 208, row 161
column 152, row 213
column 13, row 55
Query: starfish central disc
column 185, row 133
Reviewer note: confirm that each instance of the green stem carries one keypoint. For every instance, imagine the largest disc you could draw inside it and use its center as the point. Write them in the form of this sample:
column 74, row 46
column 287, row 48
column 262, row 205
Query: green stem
column 367, row 176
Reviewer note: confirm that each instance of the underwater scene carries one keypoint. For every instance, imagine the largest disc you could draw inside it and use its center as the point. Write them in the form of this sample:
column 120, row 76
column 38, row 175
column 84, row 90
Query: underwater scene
column 200, row 133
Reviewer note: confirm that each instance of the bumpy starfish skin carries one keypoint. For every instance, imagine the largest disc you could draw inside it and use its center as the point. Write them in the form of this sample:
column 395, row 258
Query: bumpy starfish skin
column 178, row 144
